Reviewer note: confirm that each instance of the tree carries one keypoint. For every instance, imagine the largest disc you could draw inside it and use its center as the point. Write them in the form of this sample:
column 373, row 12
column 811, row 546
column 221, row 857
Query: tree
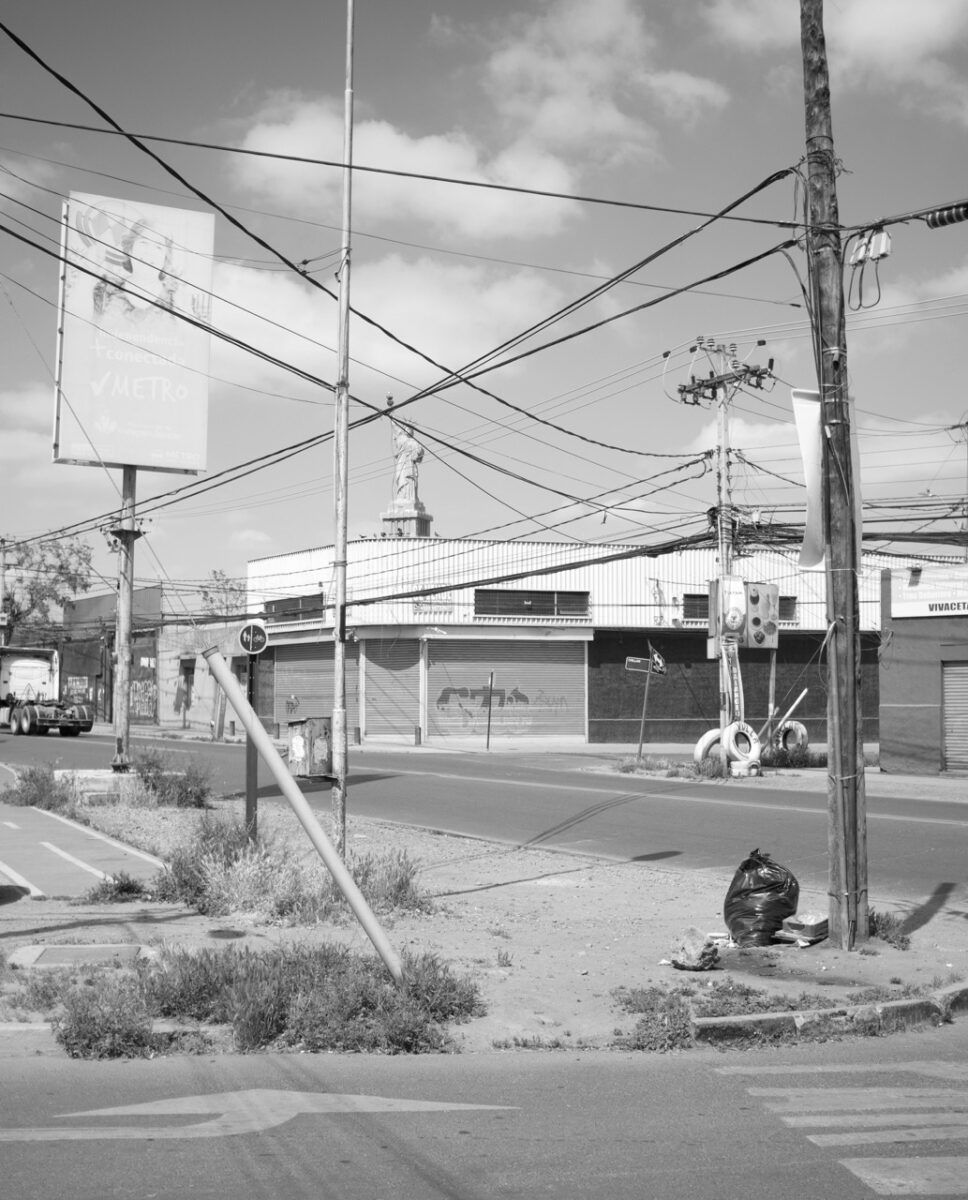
column 39, row 578
column 223, row 596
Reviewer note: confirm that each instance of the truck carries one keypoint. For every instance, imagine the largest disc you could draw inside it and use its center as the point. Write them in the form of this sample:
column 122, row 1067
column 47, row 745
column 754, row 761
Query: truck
column 30, row 694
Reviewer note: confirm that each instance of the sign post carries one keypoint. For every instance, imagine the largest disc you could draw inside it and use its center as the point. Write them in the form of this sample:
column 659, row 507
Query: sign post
column 653, row 665
column 253, row 639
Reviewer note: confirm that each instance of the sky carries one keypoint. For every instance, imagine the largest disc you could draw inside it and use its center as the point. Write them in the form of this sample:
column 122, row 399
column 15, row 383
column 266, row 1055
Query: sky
column 641, row 119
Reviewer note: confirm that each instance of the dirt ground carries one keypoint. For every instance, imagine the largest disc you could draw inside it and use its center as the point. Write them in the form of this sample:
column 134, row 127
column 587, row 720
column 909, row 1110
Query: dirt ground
column 549, row 937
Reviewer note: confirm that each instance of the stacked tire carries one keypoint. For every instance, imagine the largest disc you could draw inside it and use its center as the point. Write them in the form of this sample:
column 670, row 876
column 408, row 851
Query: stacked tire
column 740, row 741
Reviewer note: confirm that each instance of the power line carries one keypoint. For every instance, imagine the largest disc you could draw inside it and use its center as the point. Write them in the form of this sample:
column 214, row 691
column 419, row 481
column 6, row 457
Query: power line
column 323, row 162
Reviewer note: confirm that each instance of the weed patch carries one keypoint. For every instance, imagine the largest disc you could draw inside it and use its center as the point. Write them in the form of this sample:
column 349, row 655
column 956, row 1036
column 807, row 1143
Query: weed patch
column 222, row 871
column 889, row 927
column 664, row 1020
column 313, row 998
column 106, row 1018
column 38, row 787
column 116, row 889
column 189, row 787
column 725, row 998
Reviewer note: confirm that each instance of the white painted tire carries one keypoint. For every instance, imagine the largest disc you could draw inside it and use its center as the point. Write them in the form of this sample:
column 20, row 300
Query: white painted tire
column 791, row 735
column 708, row 743
column 741, row 742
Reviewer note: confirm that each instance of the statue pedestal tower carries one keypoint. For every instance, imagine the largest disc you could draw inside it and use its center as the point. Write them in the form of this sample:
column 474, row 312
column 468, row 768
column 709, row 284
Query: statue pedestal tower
column 406, row 520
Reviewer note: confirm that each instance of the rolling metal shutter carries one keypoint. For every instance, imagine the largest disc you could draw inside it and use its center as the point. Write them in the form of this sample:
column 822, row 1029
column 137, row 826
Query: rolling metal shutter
column 391, row 686
column 539, row 688
column 304, row 683
column 955, row 697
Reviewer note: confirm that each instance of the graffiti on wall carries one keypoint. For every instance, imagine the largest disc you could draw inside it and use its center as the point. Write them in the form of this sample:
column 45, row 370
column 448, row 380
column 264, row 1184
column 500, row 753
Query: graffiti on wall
column 144, row 700
column 461, row 709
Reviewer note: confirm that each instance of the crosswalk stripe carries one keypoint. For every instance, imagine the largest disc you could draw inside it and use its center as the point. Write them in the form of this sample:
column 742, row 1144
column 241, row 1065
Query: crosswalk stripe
column 864, row 1120
column 940, row 1133
column 911, row 1176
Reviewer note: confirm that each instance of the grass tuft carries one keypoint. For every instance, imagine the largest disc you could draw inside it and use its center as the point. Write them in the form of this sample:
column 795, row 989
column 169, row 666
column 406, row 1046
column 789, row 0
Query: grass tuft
column 116, row 889
column 889, row 927
column 38, row 787
column 664, row 1020
column 107, row 1017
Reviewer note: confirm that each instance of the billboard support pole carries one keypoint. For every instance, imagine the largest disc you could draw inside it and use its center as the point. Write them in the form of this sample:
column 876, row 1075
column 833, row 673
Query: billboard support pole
column 126, row 535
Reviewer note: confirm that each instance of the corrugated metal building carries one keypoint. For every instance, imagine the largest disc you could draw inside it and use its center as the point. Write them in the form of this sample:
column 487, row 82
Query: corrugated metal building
column 924, row 669
column 446, row 636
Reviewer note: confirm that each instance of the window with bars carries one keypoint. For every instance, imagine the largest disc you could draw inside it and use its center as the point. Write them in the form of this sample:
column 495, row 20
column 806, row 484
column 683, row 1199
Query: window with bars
column 496, row 602
column 296, row 608
column 695, row 606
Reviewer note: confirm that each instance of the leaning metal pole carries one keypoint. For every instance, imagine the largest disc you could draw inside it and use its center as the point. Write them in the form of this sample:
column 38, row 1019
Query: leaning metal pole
column 300, row 806
column 340, row 471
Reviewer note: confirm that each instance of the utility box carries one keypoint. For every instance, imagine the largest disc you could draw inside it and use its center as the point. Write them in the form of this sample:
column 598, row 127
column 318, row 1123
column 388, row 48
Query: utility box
column 311, row 747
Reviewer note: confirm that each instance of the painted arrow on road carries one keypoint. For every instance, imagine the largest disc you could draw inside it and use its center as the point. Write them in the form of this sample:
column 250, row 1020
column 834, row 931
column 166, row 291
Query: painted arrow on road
column 234, row 1113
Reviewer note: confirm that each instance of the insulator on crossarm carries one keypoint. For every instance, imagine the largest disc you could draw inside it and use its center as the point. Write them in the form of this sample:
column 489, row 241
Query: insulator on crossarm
column 947, row 216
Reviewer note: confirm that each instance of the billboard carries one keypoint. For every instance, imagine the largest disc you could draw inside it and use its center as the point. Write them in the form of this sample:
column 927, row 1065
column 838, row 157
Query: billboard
column 133, row 344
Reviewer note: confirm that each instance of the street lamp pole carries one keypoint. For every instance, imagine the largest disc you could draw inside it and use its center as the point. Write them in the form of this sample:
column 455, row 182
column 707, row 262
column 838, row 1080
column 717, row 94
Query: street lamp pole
column 340, row 470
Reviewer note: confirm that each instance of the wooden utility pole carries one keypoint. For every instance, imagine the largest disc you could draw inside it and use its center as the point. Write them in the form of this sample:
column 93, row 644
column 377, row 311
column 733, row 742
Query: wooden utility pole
column 846, row 803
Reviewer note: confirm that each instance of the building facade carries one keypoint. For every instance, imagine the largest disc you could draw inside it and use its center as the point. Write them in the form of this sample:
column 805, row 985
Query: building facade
column 462, row 639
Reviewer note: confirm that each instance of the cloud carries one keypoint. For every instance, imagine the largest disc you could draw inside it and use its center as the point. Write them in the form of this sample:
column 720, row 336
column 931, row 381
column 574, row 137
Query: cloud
column 572, row 79
column 876, row 44
column 295, row 125
column 452, row 312
column 568, row 90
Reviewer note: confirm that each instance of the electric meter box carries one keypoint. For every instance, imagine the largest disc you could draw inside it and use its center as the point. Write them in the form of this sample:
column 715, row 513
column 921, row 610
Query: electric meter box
column 747, row 614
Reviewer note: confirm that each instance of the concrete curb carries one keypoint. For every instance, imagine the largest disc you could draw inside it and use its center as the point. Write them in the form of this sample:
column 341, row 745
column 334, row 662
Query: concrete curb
column 869, row 1020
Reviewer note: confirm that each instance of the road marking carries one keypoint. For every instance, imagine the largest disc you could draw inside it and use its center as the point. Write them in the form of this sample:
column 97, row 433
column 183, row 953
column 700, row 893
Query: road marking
column 19, row 881
column 11, row 825
column 101, row 837
column 912, row 1176
column 76, row 861
column 233, row 1113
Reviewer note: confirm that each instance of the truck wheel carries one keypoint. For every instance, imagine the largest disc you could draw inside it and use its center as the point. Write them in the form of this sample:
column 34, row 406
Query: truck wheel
column 14, row 722
column 27, row 723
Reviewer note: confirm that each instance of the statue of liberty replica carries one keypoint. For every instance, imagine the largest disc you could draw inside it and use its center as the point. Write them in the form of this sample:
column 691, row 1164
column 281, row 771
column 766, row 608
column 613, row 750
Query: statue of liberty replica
column 407, row 516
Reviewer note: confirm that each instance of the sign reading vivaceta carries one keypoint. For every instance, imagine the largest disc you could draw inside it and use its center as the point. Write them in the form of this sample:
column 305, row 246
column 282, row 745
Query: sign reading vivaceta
column 929, row 592
column 132, row 380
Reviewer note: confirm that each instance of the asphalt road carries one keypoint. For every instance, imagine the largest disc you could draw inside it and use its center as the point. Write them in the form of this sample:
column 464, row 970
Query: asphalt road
column 917, row 848
column 847, row 1120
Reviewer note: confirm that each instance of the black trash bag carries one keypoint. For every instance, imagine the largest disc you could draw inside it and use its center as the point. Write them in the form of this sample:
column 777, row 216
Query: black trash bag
column 760, row 898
